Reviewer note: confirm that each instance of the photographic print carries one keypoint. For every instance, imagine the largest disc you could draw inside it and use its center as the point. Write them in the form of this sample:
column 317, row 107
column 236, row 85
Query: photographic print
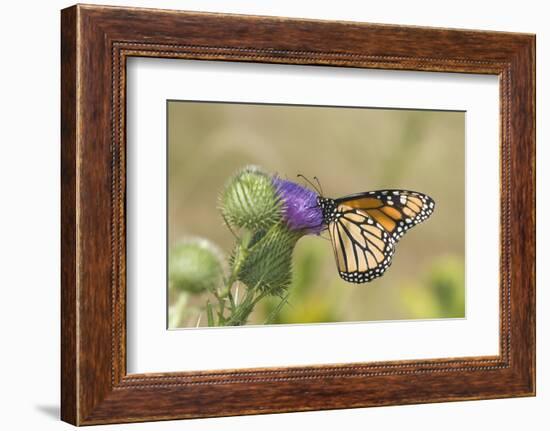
column 287, row 216
column 295, row 214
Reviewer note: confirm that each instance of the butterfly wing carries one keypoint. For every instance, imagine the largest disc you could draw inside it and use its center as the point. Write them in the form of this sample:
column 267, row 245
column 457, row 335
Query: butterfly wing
column 362, row 247
column 396, row 210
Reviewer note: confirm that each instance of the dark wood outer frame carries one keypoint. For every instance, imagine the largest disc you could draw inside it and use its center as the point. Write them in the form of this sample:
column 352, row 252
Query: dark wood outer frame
column 95, row 43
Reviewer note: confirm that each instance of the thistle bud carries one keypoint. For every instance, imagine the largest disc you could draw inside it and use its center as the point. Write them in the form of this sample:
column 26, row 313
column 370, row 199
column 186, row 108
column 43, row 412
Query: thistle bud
column 195, row 265
column 268, row 265
column 249, row 200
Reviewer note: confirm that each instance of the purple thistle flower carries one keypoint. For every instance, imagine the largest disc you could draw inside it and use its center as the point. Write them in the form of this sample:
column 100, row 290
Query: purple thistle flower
column 300, row 208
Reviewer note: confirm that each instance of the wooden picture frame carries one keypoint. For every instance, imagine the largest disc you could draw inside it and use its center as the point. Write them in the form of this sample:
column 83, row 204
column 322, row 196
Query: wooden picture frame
column 95, row 43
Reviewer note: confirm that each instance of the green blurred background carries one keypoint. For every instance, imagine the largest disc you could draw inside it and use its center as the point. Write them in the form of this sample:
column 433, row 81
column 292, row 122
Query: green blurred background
column 351, row 150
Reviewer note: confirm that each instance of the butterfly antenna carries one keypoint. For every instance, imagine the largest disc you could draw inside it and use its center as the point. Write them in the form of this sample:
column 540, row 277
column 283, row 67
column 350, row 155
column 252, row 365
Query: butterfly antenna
column 319, row 184
column 310, row 183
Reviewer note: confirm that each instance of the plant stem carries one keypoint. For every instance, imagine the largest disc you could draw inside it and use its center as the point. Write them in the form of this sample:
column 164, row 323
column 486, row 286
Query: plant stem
column 238, row 314
column 243, row 310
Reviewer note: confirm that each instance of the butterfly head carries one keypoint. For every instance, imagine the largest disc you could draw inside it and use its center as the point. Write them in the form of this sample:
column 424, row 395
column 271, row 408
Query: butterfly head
column 328, row 208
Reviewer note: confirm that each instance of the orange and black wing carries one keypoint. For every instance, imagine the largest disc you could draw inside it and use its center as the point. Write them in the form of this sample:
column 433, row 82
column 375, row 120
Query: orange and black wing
column 396, row 210
column 362, row 247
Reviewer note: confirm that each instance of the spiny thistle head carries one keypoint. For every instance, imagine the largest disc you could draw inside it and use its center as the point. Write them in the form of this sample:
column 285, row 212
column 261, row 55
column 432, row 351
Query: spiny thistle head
column 249, row 201
column 268, row 265
column 195, row 265
column 276, row 213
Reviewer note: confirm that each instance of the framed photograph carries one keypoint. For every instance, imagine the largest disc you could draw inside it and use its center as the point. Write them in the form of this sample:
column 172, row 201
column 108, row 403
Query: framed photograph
column 325, row 214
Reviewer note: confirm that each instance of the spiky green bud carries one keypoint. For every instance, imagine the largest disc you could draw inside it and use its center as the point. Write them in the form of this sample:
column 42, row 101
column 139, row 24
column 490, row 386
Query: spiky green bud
column 250, row 201
column 195, row 265
column 268, row 264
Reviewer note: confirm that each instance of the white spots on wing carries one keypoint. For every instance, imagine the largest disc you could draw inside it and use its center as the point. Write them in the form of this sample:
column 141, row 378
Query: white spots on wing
column 366, row 276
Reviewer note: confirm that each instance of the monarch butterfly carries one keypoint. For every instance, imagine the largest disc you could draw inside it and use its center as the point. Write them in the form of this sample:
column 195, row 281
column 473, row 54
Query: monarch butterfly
column 364, row 228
